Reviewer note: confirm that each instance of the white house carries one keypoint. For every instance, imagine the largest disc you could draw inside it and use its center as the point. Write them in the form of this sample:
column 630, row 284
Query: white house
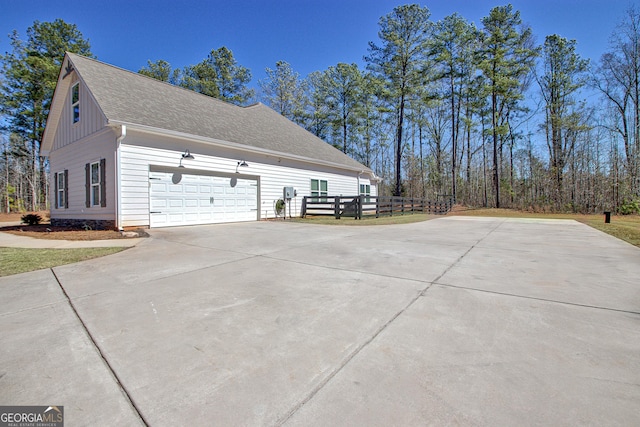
column 126, row 150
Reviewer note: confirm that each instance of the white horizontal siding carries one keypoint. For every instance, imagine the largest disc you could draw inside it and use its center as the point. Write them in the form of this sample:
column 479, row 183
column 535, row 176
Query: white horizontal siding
column 275, row 178
column 74, row 157
column 91, row 118
column 139, row 152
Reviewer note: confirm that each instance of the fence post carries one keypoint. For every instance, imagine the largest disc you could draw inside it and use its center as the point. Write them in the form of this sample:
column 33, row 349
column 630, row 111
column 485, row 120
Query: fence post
column 377, row 206
column 360, row 203
column 336, row 207
column 303, row 212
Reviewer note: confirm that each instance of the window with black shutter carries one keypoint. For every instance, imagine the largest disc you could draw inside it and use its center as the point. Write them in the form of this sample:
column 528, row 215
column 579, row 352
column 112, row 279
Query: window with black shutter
column 61, row 191
column 96, row 192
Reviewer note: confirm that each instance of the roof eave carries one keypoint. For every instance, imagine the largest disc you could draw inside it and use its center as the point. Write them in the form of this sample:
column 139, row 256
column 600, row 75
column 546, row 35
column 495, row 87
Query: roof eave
column 237, row 146
column 55, row 112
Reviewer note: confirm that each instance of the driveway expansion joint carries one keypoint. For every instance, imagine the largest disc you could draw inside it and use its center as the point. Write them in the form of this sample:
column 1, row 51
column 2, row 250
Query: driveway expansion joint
column 346, row 360
column 554, row 301
column 364, row 344
column 115, row 376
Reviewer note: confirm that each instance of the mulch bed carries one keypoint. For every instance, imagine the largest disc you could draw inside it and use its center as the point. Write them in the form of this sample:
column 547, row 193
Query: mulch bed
column 46, row 231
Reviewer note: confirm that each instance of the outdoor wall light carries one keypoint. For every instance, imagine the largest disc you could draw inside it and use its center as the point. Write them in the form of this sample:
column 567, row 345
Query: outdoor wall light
column 241, row 163
column 186, row 155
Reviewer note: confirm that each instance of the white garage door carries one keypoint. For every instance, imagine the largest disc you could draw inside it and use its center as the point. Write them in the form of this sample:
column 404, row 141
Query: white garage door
column 177, row 199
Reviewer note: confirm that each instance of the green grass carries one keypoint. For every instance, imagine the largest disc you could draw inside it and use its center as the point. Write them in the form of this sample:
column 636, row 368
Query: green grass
column 19, row 260
column 383, row 220
column 624, row 227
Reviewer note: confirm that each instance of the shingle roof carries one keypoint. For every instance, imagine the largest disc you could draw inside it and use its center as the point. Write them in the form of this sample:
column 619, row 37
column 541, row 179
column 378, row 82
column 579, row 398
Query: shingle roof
column 129, row 97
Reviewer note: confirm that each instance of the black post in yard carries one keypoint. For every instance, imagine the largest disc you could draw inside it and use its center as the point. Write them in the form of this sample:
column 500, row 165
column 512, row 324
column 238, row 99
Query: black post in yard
column 607, row 217
column 336, row 207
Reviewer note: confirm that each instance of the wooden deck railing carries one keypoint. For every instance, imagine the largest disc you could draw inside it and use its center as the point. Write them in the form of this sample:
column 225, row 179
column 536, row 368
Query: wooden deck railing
column 359, row 206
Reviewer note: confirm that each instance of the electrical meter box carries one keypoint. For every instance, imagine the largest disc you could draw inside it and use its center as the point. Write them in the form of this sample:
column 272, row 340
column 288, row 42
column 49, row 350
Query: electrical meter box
column 288, row 193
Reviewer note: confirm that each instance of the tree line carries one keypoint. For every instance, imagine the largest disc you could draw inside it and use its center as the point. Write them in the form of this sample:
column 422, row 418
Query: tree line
column 480, row 113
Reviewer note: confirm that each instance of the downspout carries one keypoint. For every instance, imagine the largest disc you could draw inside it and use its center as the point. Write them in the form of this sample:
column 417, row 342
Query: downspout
column 373, row 178
column 118, row 180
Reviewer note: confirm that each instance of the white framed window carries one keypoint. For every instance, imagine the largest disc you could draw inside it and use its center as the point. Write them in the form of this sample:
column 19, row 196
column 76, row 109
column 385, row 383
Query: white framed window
column 95, row 184
column 61, row 189
column 319, row 189
column 365, row 190
column 75, row 102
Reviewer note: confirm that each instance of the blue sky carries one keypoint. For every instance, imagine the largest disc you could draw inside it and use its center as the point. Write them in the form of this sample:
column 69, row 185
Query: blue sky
column 309, row 34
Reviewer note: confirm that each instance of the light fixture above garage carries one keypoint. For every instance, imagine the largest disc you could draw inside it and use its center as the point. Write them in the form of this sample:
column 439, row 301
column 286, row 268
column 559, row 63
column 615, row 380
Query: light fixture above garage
column 186, row 156
column 241, row 163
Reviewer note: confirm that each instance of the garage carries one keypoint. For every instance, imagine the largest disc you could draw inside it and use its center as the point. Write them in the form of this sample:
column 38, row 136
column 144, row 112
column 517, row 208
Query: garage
column 189, row 199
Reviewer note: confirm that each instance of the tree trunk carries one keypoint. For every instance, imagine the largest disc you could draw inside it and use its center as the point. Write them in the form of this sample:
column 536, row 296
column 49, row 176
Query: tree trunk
column 494, row 124
column 422, row 177
column 6, row 166
column 344, row 130
column 454, row 137
column 398, row 187
column 33, row 181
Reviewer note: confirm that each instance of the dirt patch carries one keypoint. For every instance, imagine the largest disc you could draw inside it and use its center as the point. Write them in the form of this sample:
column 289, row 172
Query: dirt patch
column 17, row 216
column 46, row 231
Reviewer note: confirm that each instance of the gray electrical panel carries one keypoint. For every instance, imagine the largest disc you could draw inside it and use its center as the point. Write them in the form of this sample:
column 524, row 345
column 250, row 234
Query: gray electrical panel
column 288, row 193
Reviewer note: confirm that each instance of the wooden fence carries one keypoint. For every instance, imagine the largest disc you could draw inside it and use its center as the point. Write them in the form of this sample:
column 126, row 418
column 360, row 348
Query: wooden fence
column 359, row 206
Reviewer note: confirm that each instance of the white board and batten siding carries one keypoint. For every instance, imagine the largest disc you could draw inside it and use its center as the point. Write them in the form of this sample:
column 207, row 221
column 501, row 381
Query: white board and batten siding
column 91, row 118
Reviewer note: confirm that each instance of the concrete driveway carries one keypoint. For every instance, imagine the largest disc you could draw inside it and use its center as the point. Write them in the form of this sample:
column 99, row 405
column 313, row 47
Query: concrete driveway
column 454, row 321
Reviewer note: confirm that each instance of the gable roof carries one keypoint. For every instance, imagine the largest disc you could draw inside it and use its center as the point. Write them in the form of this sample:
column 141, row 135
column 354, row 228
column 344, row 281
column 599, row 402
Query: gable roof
column 133, row 99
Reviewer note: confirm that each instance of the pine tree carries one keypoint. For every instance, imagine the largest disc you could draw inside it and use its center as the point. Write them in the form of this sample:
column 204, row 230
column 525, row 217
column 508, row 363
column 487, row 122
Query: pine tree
column 30, row 74
column 219, row 76
column 399, row 61
column 506, row 57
